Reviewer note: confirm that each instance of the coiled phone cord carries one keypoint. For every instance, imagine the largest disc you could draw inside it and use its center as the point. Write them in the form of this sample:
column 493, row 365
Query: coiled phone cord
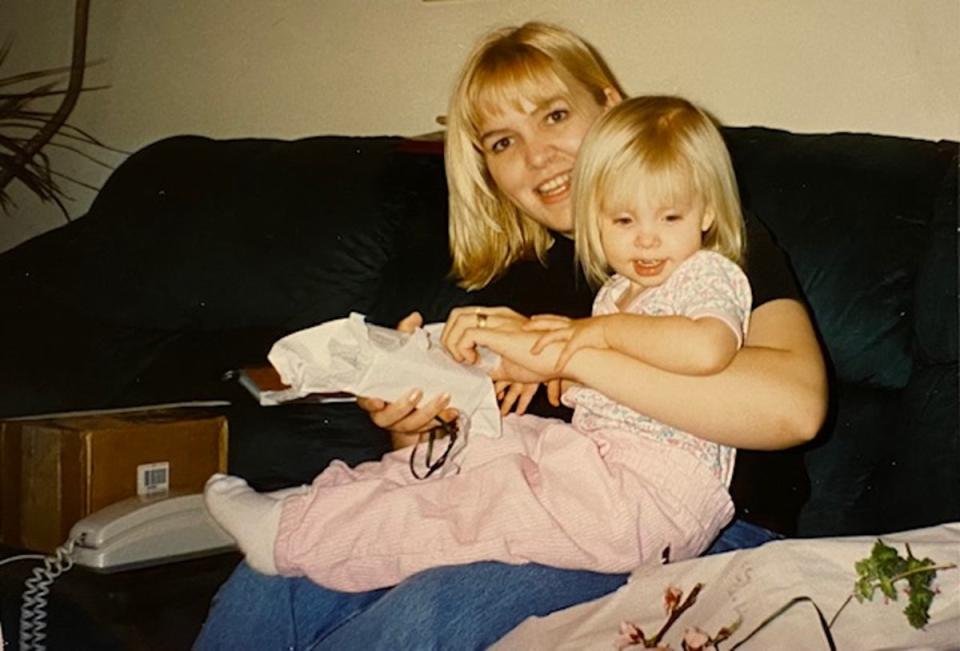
column 33, row 610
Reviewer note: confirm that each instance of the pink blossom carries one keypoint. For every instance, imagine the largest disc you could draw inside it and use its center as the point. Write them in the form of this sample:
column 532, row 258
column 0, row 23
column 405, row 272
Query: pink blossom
column 696, row 640
column 671, row 598
column 630, row 635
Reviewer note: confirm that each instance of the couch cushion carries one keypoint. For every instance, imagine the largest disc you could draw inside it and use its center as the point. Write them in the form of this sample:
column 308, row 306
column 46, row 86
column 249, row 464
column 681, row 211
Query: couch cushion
column 920, row 483
column 417, row 276
column 195, row 233
column 842, row 463
column 935, row 296
column 851, row 211
column 195, row 257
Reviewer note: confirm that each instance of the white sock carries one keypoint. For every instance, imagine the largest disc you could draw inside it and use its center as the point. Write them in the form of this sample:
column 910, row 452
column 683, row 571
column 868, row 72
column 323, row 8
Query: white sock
column 284, row 493
column 252, row 518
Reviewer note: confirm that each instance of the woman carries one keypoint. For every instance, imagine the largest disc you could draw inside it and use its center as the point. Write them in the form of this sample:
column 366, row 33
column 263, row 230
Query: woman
column 525, row 100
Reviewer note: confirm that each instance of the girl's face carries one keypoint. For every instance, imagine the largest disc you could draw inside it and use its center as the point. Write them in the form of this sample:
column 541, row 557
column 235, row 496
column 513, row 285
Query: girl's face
column 530, row 151
column 646, row 240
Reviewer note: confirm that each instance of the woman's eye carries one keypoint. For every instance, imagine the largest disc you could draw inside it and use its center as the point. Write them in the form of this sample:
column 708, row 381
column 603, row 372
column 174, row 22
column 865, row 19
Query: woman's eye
column 500, row 145
column 672, row 217
column 557, row 115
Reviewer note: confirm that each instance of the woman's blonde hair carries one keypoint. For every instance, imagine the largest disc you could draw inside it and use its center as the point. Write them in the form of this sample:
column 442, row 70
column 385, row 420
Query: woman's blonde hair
column 665, row 145
column 488, row 232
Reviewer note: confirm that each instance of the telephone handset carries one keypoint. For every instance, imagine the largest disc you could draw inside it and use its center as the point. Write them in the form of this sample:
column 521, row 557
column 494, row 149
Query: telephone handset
column 143, row 531
column 133, row 533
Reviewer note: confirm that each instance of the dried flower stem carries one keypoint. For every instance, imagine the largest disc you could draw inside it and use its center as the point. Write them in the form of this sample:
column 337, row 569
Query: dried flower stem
column 674, row 616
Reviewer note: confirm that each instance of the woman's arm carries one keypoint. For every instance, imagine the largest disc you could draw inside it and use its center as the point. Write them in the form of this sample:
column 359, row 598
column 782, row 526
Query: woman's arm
column 773, row 395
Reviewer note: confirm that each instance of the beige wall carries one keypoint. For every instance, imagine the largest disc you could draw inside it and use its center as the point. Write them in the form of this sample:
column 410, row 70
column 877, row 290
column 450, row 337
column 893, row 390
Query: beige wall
column 292, row 68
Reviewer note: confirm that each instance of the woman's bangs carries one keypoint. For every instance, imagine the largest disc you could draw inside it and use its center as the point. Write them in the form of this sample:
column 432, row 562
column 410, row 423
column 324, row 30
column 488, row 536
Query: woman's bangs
column 526, row 77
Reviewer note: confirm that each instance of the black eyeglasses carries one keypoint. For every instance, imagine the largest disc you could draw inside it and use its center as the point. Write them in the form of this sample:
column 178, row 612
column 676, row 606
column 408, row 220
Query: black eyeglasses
column 444, row 429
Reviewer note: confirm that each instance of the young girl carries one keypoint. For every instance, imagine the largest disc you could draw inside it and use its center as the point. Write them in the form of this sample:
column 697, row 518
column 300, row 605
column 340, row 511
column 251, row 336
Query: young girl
column 656, row 203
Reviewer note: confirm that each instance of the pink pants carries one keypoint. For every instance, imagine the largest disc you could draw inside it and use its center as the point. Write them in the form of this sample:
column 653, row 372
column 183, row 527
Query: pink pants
column 543, row 493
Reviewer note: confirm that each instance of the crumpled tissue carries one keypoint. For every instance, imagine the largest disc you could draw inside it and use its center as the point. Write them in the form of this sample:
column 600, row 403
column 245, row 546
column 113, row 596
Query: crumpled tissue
column 368, row 360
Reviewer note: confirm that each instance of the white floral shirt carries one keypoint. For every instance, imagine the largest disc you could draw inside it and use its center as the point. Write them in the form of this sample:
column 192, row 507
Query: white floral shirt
column 705, row 285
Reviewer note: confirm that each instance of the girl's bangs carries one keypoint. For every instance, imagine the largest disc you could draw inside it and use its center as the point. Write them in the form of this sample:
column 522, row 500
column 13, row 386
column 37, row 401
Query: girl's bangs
column 526, row 76
column 667, row 181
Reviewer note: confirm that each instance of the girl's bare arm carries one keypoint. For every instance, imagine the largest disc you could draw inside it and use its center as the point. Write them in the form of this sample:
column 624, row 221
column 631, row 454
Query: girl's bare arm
column 678, row 344
column 773, row 394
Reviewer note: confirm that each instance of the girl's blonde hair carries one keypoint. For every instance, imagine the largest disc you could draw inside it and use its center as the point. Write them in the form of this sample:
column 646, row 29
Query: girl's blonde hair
column 665, row 145
column 532, row 62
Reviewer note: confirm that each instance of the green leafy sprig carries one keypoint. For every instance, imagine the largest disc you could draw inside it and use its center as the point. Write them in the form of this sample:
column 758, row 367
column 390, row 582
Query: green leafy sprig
column 884, row 568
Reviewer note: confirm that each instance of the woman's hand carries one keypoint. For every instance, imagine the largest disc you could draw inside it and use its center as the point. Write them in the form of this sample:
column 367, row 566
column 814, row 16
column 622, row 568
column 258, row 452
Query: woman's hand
column 407, row 418
column 463, row 320
column 522, row 393
column 574, row 334
column 555, row 390
column 517, row 394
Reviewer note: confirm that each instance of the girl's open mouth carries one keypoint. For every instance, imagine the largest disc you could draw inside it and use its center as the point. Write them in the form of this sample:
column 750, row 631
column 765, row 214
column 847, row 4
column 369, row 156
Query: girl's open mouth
column 648, row 267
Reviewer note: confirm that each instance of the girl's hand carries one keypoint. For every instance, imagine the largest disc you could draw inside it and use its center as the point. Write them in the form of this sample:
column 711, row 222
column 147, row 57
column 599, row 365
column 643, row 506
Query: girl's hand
column 517, row 363
column 462, row 320
column 545, row 322
column 574, row 334
column 515, row 393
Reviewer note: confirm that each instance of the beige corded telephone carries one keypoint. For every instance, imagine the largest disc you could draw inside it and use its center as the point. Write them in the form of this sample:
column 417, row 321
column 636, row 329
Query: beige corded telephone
column 143, row 531
column 136, row 532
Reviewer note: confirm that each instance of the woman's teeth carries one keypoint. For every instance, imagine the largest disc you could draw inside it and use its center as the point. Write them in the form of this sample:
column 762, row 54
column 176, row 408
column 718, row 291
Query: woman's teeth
column 554, row 186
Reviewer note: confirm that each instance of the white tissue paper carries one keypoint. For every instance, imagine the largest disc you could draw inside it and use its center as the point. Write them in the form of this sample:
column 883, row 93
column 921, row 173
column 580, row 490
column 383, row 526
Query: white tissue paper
column 368, row 360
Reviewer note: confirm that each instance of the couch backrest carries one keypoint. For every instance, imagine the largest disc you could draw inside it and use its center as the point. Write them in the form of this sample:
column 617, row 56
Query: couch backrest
column 197, row 254
column 191, row 233
column 870, row 225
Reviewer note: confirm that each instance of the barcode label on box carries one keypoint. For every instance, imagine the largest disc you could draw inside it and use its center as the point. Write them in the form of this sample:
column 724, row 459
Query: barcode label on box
column 153, row 478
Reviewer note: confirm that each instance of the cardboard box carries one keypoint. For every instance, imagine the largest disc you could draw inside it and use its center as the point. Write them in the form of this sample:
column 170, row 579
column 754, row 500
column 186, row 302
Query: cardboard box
column 55, row 471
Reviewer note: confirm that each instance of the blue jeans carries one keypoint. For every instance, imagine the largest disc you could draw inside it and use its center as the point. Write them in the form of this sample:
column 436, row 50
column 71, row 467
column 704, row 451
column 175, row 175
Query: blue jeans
column 456, row 607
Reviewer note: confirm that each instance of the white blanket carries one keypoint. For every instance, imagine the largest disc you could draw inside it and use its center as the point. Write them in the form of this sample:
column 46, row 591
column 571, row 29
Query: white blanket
column 752, row 584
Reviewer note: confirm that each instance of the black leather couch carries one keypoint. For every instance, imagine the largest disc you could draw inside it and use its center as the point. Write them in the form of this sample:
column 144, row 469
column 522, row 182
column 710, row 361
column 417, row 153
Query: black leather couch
column 198, row 254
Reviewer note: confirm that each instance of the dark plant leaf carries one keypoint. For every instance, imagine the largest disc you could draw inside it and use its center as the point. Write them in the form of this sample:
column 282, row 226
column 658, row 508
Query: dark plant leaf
column 20, row 123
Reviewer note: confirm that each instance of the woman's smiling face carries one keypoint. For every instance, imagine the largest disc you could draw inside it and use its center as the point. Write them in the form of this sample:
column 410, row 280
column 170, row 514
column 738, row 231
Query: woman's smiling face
column 530, row 150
